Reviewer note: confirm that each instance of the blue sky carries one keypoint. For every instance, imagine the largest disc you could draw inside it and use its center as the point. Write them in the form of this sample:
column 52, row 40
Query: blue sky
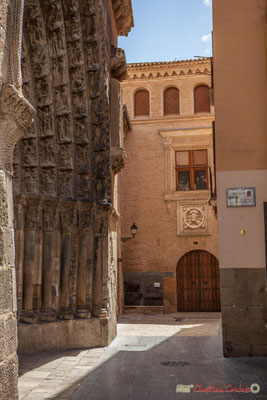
column 166, row 30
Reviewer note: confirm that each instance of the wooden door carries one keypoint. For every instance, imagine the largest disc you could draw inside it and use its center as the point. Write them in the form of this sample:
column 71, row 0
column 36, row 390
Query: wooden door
column 198, row 282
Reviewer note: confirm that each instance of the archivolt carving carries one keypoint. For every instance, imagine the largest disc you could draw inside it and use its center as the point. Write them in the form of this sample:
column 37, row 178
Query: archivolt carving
column 48, row 152
column 65, row 155
column 71, row 6
column 30, row 180
column 64, row 128
column 29, row 152
column 48, row 181
column 65, row 184
column 81, row 131
column 45, row 121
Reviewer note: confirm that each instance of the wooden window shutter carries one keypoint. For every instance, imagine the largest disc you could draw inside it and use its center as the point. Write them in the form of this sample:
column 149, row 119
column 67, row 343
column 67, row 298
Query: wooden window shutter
column 171, row 101
column 141, row 103
column 202, row 99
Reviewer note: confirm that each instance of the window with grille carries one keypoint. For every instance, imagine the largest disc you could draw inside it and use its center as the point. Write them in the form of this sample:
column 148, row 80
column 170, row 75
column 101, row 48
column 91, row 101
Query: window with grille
column 171, row 101
column 191, row 170
column 202, row 99
column 141, row 103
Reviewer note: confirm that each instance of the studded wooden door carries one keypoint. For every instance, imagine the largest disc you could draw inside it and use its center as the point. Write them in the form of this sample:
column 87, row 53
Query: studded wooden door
column 198, row 282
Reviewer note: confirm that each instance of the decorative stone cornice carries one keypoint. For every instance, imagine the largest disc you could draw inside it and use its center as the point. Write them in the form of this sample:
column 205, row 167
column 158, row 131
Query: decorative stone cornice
column 16, row 107
column 118, row 64
column 170, row 69
column 173, row 63
column 123, row 15
column 16, row 114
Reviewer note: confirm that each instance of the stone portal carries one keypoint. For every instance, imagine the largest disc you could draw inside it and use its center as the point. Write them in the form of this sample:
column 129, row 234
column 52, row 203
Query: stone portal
column 63, row 173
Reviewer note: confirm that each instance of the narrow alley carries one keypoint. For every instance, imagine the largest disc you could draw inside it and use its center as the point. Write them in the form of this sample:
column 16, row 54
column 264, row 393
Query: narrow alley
column 151, row 356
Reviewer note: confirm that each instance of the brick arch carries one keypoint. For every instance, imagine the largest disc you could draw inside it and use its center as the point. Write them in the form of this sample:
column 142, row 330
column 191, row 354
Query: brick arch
column 198, row 282
column 201, row 99
column 141, row 103
column 171, row 101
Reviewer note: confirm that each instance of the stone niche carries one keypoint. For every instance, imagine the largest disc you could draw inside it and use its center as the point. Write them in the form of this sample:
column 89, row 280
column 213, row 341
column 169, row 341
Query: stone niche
column 62, row 183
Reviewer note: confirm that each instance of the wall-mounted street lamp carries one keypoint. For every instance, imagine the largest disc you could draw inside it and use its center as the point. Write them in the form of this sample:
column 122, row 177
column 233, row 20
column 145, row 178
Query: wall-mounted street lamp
column 133, row 232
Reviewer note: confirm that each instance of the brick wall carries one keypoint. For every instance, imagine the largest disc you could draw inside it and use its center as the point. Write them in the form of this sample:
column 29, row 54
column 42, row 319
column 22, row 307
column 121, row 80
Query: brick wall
column 157, row 247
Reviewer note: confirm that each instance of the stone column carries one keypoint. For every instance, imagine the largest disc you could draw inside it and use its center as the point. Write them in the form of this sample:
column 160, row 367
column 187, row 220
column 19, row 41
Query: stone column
column 85, row 264
column 32, row 225
column 19, row 215
column 15, row 115
column 49, row 226
column 67, row 220
column 100, row 299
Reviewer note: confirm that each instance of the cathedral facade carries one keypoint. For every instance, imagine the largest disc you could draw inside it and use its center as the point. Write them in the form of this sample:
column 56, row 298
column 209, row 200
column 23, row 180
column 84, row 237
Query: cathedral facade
column 61, row 139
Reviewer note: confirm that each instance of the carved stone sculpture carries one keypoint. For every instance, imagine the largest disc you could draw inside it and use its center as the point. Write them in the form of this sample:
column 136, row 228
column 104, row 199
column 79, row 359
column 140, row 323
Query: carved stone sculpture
column 193, row 218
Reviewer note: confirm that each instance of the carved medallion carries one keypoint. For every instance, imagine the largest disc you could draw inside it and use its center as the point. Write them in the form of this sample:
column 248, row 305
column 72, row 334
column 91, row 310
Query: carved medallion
column 194, row 218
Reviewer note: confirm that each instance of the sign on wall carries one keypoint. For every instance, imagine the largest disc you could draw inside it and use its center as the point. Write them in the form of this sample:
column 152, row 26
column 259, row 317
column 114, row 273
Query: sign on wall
column 241, row 197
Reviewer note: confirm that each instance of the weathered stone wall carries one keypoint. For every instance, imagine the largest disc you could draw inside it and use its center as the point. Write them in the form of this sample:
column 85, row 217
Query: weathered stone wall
column 63, row 175
column 8, row 331
column 15, row 115
column 8, row 323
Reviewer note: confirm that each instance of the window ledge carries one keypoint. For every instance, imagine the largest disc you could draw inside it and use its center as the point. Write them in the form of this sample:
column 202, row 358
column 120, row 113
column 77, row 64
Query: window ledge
column 141, row 117
column 187, row 195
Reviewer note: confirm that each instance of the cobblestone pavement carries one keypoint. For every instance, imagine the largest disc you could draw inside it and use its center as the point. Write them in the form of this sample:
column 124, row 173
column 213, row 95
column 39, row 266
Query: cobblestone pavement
column 151, row 355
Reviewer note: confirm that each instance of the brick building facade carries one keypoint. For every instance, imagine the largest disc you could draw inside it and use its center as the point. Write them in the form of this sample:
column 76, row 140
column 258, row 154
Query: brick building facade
column 167, row 186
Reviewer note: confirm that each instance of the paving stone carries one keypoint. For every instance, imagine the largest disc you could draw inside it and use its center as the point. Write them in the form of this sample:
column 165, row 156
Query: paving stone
column 131, row 367
column 138, row 396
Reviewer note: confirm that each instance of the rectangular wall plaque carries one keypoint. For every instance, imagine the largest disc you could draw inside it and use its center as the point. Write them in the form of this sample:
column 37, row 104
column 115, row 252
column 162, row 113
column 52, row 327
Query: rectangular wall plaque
column 241, row 197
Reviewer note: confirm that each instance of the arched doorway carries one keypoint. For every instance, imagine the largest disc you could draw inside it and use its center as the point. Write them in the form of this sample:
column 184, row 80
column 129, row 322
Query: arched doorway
column 198, row 282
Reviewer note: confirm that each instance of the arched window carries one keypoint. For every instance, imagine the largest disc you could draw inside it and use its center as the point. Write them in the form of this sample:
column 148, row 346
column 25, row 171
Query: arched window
column 202, row 99
column 171, row 101
column 141, row 103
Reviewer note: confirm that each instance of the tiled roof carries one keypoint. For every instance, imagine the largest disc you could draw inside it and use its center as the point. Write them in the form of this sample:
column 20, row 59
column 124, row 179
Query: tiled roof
column 162, row 63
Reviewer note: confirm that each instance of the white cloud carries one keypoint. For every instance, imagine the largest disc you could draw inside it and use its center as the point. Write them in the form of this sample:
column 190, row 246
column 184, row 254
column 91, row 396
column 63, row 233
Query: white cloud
column 207, row 3
column 206, row 38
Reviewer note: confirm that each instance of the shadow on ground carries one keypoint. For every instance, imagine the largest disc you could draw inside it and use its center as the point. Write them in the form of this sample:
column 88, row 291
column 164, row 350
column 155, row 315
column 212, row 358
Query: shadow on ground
column 147, row 360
